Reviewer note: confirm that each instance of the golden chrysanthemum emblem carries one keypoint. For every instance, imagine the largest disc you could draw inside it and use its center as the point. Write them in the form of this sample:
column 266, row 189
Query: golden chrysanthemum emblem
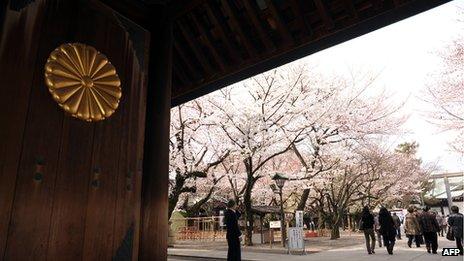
column 83, row 81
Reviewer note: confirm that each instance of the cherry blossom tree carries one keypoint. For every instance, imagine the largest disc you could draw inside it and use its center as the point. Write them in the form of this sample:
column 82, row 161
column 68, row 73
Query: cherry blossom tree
column 348, row 113
column 323, row 132
column 193, row 155
column 234, row 185
column 393, row 176
column 365, row 174
column 257, row 118
column 445, row 92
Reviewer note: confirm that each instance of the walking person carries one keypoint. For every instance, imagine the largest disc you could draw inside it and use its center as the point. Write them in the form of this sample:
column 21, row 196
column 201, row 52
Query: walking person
column 444, row 225
column 312, row 225
column 397, row 222
column 231, row 217
column 412, row 227
column 367, row 226
column 440, row 222
column 430, row 228
column 419, row 213
column 387, row 229
column 455, row 221
column 377, row 229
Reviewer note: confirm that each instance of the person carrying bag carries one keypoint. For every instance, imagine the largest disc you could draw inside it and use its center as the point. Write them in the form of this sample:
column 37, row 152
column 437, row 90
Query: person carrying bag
column 455, row 222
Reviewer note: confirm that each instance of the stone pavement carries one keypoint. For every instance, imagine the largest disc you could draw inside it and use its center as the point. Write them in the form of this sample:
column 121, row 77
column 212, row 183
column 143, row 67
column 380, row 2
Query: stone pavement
column 316, row 244
column 351, row 253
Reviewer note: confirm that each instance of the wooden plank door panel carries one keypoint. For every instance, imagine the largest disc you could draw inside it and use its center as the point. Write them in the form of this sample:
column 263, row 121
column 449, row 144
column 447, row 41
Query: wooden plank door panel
column 88, row 194
column 19, row 33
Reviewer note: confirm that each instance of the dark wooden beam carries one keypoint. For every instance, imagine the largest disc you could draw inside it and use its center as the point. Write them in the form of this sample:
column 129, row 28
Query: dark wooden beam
column 236, row 25
column 396, row 3
column 300, row 17
column 370, row 24
column 180, row 74
column 206, row 37
column 281, row 26
column 349, row 5
column 179, row 8
column 324, row 13
column 195, row 48
column 253, row 16
column 181, row 55
column 377, row 4
column 220, row 27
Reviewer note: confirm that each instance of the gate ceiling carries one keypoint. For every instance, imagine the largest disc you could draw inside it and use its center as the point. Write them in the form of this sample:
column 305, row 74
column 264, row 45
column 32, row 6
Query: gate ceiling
column 220, row 42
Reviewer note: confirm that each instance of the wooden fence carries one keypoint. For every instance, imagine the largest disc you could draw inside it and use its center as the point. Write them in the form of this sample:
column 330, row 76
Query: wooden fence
column 199, row 228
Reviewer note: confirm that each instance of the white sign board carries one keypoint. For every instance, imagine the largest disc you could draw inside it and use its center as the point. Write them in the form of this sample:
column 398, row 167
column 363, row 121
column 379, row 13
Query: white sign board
column 274, row 224
column 299, row 218
column 295, row 238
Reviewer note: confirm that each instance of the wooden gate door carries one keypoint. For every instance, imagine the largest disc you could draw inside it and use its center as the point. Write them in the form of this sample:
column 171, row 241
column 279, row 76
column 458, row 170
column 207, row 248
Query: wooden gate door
column 69, row 189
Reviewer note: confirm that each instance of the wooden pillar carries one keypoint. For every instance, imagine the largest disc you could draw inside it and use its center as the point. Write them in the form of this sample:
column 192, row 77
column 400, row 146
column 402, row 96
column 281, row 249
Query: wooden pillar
column 154, row 221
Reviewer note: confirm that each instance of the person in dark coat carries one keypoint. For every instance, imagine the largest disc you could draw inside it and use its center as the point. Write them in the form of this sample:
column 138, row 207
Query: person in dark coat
column 430, row 228
column 231, row 216
column 419, row 213
column 387, row 229
column 367, row 226
column 397, row 222
column 455, row 221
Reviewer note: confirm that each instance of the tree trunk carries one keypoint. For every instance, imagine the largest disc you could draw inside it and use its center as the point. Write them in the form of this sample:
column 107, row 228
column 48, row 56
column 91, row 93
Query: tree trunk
column 320, row 221
column 335, row 232
column 248, row 219
column 336, row 221
column 353, row 223
column 343, row 222
column 249, row 229
column 247, row 202
column 303, row 199
column 172, row 203
column 175, row 194
column 195, row 209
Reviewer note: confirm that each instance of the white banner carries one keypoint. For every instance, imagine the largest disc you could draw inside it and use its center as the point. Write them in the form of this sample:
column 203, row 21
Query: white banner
column 299, row 218
column 295, row 238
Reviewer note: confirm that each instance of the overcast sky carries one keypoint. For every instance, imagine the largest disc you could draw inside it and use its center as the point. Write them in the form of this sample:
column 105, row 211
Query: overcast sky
column 405, row 54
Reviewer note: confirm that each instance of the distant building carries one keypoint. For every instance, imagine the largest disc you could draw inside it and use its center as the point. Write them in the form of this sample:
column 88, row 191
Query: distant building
column 448, row 189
